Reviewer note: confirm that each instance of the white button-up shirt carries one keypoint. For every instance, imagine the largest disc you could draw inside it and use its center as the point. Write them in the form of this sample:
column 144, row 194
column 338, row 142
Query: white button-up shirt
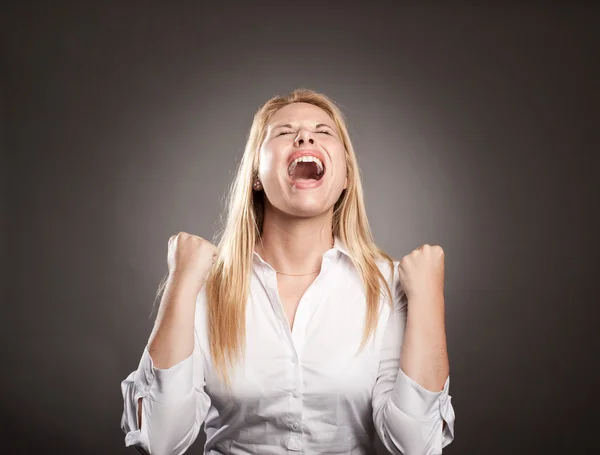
column 304, row 390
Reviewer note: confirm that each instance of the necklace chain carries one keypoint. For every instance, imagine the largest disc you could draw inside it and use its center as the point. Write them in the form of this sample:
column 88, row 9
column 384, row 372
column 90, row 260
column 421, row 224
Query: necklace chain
column 294, row 274
column 303, row 274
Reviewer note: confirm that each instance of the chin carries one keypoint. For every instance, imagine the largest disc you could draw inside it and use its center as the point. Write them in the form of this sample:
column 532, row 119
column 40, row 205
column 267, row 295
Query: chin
column 307, row 210
column 308, row 206
column 305, row 203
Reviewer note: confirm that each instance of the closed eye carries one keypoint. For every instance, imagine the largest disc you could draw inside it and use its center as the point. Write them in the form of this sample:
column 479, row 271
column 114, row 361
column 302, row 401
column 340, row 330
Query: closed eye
column 291, row 132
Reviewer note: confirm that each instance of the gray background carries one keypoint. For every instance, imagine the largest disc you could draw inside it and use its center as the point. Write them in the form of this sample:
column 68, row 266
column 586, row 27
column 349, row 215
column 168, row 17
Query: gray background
column 475, row 127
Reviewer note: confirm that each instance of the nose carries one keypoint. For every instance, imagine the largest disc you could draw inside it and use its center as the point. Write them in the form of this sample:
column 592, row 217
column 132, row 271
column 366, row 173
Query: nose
column 303, row 138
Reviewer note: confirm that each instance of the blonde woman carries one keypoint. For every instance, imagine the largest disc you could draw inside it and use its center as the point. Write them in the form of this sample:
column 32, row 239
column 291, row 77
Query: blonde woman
column 297, row 334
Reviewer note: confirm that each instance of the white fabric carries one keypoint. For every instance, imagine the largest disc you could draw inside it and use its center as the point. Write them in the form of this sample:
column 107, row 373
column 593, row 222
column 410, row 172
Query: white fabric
column 300, row 391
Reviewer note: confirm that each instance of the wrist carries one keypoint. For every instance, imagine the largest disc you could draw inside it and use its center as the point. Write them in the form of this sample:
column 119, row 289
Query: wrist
column 426, row 310
column 183, row 284
column 426, row 299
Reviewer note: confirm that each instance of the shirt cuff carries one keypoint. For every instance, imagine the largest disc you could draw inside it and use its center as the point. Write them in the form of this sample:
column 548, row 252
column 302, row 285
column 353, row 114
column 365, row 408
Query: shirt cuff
column 416, row 401
column 163, row 385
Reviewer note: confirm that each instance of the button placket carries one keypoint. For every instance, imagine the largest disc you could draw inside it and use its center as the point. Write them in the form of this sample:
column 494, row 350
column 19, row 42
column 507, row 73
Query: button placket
column 270, row 283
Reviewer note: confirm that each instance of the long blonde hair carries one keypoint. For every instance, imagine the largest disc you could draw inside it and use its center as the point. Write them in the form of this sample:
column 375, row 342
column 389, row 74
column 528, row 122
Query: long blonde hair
column 228, row 285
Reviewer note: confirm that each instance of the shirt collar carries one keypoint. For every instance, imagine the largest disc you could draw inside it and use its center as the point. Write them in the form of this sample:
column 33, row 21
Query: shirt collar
column 339, row 245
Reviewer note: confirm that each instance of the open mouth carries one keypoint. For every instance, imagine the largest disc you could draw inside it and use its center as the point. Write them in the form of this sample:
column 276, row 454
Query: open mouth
column 306, row 169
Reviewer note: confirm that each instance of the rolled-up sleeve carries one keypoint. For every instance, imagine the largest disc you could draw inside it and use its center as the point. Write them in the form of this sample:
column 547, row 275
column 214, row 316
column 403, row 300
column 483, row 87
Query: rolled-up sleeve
column 174, row 405
column 409, row 419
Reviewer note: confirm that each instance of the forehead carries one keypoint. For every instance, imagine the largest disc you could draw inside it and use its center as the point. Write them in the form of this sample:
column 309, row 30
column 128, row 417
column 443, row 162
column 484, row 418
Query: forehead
column 299, row 112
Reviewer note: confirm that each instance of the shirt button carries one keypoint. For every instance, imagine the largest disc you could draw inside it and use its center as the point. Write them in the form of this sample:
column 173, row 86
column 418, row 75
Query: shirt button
column 294, row 359
column 294, row 444
column 295, row 393
column 295, row 426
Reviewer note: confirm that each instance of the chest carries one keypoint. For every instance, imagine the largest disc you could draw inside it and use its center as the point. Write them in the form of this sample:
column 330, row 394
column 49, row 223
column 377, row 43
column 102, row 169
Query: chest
column 318, row 360
column 290, row 291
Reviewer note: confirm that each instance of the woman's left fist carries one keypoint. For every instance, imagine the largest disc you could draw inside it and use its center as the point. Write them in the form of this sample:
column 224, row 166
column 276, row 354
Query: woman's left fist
column 422, row 272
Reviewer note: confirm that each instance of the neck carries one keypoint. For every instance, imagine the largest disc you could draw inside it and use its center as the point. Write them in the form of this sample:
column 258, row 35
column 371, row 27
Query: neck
column 293, row 245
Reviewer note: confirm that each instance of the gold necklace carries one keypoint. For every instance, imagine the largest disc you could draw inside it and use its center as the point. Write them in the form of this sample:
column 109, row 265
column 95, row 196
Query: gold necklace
column 293, row 274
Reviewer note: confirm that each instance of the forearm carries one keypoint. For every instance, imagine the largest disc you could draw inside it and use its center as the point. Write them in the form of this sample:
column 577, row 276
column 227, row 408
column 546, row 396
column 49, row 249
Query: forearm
column 424, row 356
column 172, row 339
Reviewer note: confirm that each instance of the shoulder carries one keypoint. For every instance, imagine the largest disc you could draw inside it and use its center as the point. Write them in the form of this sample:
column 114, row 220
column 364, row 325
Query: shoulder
column 389, row 269
column 392, row 278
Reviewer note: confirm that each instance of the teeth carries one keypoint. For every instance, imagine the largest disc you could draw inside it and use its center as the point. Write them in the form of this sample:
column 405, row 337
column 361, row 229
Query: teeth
column 306, row 159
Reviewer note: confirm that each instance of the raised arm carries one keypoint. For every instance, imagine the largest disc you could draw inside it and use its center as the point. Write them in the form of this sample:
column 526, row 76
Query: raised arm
column 412, row 407
column 164, row 399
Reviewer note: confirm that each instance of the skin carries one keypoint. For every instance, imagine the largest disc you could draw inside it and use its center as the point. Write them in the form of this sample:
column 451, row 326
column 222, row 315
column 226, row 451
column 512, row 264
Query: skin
column 424, row 355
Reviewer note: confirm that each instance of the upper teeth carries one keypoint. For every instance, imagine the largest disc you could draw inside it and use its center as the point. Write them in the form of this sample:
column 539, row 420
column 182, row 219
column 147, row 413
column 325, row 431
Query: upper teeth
column 306, row 159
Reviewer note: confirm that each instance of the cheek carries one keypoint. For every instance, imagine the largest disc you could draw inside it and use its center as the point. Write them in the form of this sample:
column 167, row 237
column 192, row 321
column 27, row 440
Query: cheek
column 339, row 164
column 266, row 163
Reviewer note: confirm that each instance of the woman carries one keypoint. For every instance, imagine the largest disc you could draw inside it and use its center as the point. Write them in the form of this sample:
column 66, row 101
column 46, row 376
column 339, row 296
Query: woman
column 296, row 334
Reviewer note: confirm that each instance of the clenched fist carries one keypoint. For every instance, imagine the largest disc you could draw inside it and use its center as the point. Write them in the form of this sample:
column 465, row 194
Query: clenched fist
column 191, row 258
column 422, row 272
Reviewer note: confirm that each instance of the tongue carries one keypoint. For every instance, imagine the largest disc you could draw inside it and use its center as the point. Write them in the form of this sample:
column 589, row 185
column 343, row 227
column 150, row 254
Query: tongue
column 304, row 172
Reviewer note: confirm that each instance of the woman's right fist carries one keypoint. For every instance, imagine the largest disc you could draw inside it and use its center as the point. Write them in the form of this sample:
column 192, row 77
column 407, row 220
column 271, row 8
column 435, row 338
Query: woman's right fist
column 190, row 258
